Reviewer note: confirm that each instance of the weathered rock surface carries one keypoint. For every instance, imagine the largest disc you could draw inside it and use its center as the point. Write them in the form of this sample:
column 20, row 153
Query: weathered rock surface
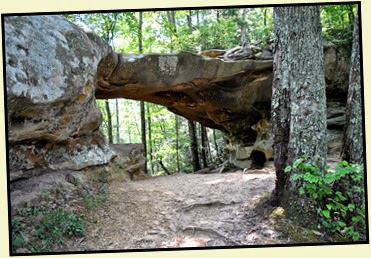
column 230, row 96
column 130, row 162
column 53, row 119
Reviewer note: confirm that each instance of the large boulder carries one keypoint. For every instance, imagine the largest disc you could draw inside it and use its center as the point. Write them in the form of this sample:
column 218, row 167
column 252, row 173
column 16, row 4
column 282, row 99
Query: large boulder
column 53, row 120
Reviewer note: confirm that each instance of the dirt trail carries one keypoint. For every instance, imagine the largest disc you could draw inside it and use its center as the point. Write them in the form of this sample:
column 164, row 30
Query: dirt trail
column 183, row 210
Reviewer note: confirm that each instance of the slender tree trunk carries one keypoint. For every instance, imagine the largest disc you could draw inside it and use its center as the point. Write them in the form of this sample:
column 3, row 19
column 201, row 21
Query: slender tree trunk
column 163, row 167
column 143, row 126
column 117, row 123
column 109, row 117
column 194, row 149
column 265, row 18
column 242, row 26
column 298, row 96
column 177, row 142
column 150, row 151
column 204, row 149
column 198, row 18
column 140, row 34
column 189, row 19
column 216, row 145
column 352, row 149
column 171, row 18
column 142, row 107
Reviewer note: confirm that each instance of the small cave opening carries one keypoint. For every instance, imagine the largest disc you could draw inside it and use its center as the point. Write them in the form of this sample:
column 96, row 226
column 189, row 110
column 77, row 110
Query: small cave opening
column 258, row 158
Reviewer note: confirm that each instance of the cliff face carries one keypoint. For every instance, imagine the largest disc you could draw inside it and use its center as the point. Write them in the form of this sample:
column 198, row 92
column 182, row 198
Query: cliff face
column 55, row 70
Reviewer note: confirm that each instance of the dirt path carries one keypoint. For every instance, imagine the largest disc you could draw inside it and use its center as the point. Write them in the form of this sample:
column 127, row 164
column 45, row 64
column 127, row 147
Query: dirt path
column 183, row 210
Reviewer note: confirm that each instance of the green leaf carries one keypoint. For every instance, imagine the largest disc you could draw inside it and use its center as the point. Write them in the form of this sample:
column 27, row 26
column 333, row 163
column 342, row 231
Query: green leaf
column 288, row 169
column 355, row 236
column 351, row 206
column 341, row 224
column 301, row 190
column 329, row 206
column 326, row 213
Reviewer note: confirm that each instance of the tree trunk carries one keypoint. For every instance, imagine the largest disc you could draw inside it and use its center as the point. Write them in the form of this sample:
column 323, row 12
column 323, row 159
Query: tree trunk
column 203, row 146
column 142, row 108
column 216, row 145
column 150, row 151
column 143, row 126
column 177, row 142
column 352, row 149
column 194, row 149
column 242, row 26
column 163, row 167
column 298, row 94
column 140, row 34
column 109, row 117
column 171, row 18
column 265, row 18
column 117, row 123
column 189, row 19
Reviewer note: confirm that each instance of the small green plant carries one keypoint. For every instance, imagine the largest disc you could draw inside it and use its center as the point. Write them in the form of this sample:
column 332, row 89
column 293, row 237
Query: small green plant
column 56, row 226
column 18, row 235
column 337, row 194
column 94, row 200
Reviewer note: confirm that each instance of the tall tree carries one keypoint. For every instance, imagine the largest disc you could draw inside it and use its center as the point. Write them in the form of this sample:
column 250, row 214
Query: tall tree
column 194, row 148
column 242, row 24
column 109, row 121
column 150, row 150
column 142, row 106
column 298, row 96
column 117, row 123
column 177, row 142
column 352, row 149
column 204, row 146
column 216, row 145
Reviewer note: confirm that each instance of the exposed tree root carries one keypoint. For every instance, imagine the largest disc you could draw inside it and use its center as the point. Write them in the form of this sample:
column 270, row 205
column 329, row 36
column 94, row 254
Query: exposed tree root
column 212, row 231
column 196, row 205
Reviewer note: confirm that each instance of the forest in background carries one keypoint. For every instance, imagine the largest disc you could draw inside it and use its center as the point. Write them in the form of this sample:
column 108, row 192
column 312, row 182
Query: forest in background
column 168, row 137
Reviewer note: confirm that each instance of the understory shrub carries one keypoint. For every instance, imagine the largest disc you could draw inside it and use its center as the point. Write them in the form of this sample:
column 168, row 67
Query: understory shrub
column 339, row 195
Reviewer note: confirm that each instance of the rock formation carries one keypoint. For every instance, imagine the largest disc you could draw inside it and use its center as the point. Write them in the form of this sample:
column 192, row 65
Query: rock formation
column 55, row 70
column 52, row 118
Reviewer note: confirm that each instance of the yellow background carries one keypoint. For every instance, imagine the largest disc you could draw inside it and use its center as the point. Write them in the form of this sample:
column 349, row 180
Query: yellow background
column 25, row 6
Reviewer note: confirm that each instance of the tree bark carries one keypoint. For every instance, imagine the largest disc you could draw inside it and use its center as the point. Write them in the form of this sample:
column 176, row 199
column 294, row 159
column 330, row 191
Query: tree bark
column 194, row 149
column 216, row 145
column 143, row 126
column 243, row 27
column 142, row 108
column 140, row 34
column 117, row 123
column 203, row 146
column 352, row 149
column 298, row 94
column 189, row 19
column 177, row 142
column 109, row 117
column 150, row 151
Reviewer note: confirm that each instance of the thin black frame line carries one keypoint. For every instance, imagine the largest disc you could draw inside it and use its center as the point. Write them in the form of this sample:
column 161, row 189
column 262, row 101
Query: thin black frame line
column 185, row 248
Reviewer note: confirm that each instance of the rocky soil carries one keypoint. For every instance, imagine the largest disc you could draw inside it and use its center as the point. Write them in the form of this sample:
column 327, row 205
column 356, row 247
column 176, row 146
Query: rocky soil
column 181, row 210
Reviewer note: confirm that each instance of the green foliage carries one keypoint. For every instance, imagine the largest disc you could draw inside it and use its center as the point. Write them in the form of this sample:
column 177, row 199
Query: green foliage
column 18, row 234
column 337, row 22
column 94, row 200
column 54, row 227
column 337, row 194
